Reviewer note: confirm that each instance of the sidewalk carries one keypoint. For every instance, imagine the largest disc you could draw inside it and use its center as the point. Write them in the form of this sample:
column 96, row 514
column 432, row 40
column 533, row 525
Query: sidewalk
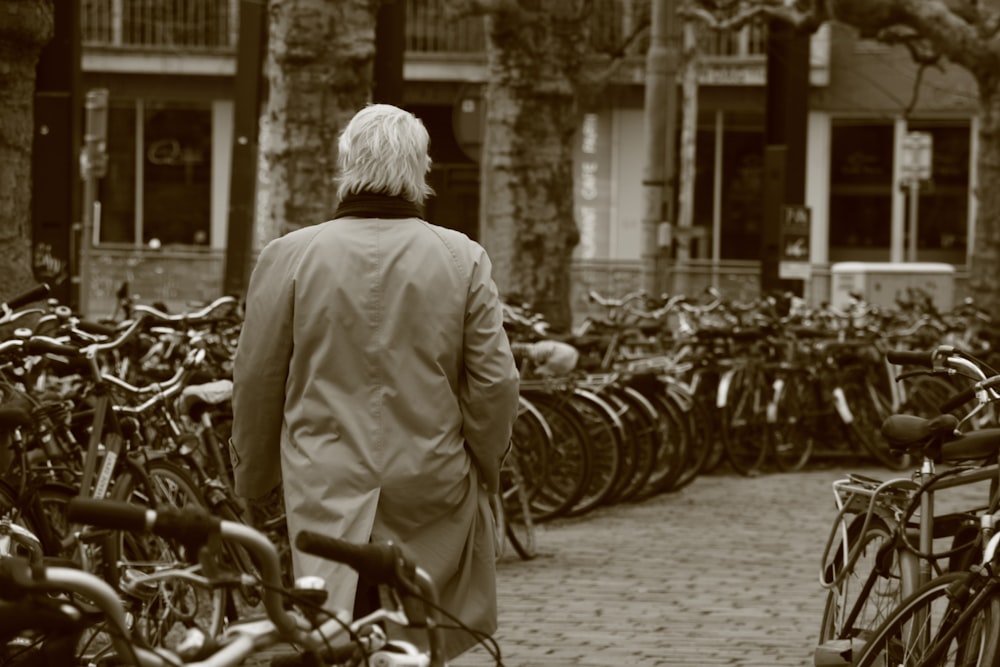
column 725, row 572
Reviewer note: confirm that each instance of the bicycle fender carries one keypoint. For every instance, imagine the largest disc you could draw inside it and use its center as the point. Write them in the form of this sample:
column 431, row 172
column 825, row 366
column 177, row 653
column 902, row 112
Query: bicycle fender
column 840, row 403
column 679, row 392
column 722, row 393
column 778, row 388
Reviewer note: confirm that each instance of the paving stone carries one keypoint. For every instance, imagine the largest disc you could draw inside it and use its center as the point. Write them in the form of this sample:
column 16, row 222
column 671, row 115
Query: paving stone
column 723, row 572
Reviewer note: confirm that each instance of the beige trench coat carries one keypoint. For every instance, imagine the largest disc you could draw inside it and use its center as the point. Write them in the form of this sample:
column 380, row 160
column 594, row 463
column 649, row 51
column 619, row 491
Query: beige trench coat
column 373, row 376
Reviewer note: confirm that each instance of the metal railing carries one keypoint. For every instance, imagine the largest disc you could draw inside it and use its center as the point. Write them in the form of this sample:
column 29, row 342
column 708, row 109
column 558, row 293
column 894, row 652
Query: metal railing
column 205, row 26
column 195, row 26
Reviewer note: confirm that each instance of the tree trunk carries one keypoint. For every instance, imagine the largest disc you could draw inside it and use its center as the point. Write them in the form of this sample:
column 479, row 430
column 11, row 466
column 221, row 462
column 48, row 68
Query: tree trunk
column 320, row 73
column 533, row 113
column 25, row 27
column 688, row 158
column 984, row 263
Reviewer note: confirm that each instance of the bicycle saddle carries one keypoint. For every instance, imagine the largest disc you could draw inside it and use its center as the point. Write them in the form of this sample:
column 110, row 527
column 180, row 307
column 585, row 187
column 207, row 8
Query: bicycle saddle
column 938, row 438
column 909, row 433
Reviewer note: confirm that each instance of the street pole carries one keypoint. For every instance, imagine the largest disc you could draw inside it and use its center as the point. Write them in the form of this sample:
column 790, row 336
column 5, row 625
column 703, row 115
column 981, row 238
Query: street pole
column 660, row 112
column 911, row 240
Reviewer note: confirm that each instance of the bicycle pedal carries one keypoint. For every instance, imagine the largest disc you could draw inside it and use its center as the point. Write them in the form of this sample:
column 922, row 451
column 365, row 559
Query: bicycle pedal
column 835, row 653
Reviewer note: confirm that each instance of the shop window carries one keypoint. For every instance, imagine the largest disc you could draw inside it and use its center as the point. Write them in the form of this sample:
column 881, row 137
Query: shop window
column 742, row 192
column 158, row 188
column 117, row 188
column 943, row 206
column 177, row 174
column 861, row 191
column 704, row 191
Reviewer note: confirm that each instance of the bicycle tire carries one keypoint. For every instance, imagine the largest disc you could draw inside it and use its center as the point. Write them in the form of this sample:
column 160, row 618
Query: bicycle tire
column 12, row 509
column 710, row 431
column 745, row 428
column 866, row 417
column 672, row 469
column 166, row 483
column 691, row 431
column 790, row 431
column 519, row 525
column 567, row 470
column 932, row 627
column 611, row 419
column 604, row 434
column 707, row 433
column 642, row 421
column 51, row 501
column 532, row 437
column 870, row 602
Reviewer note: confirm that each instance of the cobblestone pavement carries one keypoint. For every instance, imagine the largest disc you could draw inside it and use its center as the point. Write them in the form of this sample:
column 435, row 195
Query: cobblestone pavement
column 723, row 572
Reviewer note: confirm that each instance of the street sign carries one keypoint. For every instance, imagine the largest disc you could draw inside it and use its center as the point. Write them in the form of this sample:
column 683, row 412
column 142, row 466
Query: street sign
column 917, row 159
column 794, row 242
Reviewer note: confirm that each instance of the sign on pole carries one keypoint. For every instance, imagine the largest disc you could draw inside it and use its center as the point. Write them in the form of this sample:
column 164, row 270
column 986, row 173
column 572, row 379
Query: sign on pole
column 918, row 150
column 794, row 242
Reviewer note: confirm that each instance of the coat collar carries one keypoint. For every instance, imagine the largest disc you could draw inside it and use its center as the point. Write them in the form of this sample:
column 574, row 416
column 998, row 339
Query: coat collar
column 377, row 205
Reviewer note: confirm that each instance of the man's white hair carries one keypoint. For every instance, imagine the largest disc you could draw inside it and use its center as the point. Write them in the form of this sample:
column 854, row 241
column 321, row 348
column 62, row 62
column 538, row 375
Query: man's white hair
column 384, row 149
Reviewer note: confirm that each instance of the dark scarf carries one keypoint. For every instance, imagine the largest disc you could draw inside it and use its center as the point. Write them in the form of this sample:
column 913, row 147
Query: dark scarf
column 377, row 205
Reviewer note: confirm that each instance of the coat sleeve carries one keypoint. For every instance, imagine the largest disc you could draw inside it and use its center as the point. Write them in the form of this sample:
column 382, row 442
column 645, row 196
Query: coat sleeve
column 260, row 369
column 489, row 388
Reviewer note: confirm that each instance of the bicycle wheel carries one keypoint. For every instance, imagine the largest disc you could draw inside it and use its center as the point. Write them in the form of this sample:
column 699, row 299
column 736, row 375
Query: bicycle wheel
column 865, row 410
column 867, row 593
column 163, row 610
column 604, row 435
column 567, row 470
column 12, row 510
column 708, row 430
column 790, row 430
column 744, row 417
column 672, row 468
column 642, row 422
column 941, row 624
column 610, row 419
column 692, row 433
column 519, row 525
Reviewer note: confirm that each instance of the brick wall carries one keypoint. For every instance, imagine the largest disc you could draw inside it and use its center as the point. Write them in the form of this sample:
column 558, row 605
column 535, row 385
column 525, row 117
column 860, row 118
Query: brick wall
column 180, row 279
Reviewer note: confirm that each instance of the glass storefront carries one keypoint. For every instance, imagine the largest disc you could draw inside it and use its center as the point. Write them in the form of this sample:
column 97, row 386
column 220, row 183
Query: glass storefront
column 863, row 192
column 943, row 205
column 161, row 194
column 740, row 188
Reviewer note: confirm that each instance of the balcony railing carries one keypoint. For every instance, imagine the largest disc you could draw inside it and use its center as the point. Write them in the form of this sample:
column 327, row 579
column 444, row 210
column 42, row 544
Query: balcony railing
column 194, row 26
column 211, row 26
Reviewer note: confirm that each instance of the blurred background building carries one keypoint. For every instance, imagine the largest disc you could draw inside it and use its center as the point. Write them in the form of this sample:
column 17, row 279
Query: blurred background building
column 169, row 68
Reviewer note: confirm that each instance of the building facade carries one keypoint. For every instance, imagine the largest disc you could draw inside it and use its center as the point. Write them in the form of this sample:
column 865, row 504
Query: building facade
column 169, row 67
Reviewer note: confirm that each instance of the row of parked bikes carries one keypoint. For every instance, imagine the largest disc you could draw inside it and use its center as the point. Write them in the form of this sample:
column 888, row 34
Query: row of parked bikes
column 667, row 389
column 122, row 540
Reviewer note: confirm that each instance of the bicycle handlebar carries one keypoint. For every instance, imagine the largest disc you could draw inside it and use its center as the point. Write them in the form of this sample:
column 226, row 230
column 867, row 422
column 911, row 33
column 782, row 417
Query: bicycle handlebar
column 911, row 358
column 36, row 293
column 596, row 297
column 202, row 314
column 194, row 524
column 967, row 395
column 380, row 562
